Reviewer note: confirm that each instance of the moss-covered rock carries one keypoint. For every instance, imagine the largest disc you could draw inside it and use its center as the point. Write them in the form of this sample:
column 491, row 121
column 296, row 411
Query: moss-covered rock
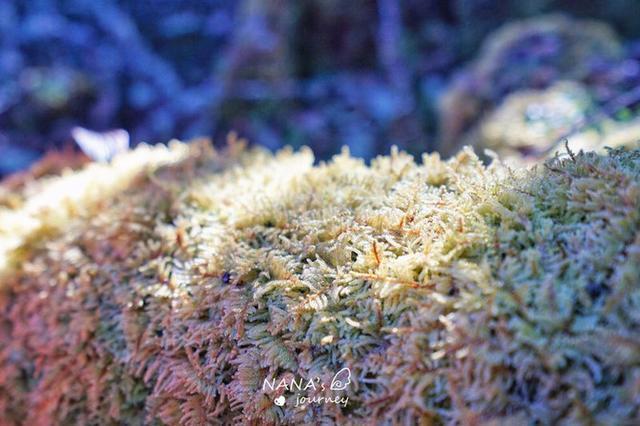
column 529, row 59
column 174, row 285
column 529, row 121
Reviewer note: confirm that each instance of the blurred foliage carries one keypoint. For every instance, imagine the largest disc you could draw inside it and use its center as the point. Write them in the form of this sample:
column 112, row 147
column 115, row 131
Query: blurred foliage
column 323, row 73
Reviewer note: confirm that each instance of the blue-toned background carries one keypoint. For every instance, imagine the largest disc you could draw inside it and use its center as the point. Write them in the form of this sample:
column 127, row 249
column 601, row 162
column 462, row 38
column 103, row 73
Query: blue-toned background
column 323, row 73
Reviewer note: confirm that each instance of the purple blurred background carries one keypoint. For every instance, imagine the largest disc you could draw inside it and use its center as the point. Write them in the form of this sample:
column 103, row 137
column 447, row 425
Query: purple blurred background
column 322, row 73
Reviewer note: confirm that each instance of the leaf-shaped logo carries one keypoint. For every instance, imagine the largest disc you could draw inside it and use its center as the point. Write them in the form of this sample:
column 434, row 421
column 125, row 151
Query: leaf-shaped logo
column 341, row 380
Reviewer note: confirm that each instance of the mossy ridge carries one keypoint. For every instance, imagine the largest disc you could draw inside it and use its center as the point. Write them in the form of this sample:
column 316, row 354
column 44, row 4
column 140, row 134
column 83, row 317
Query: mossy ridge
column 453, row 291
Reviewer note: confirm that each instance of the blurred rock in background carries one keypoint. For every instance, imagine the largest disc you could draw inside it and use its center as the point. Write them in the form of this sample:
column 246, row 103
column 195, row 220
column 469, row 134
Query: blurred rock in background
column 322, row 73
column 537, row 81
column 528, row 121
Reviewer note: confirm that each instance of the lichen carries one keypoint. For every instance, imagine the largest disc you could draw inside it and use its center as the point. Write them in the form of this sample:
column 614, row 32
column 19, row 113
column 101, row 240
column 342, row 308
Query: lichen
column 453, row 291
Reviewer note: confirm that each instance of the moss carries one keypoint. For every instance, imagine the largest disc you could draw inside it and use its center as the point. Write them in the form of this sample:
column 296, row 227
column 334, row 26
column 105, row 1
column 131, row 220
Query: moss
column 531, row 61
column 531, row 121
column 453, row 291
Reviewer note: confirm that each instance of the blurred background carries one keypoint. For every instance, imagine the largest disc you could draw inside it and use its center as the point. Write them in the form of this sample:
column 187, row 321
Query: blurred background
column 515, row 76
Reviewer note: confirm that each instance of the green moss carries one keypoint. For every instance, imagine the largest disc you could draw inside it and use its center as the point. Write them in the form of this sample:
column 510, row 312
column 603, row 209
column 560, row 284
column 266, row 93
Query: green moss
column 451, row 290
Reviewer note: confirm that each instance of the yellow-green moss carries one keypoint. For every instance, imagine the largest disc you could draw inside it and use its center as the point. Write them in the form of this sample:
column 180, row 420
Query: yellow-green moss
column 453, row 292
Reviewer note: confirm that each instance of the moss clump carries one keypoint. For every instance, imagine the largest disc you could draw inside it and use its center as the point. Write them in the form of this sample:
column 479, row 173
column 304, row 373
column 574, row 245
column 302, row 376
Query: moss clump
column 453, row 292
column 530, row 56
column 529, row 122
